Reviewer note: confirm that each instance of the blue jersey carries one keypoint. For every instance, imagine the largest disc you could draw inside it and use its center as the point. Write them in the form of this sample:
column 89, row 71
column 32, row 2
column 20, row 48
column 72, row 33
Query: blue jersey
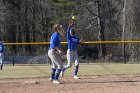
column 73, row 41
column 55, row 40
column 1, row 48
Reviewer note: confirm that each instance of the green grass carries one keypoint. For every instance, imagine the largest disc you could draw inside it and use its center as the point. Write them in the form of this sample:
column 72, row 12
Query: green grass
column 22, row 71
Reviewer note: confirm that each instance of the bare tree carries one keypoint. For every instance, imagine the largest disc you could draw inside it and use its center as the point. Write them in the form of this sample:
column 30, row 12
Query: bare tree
column 131, row 29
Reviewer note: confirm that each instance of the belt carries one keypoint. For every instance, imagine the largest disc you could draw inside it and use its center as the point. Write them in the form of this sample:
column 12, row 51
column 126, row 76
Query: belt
column 71, row 50
column 53, row 49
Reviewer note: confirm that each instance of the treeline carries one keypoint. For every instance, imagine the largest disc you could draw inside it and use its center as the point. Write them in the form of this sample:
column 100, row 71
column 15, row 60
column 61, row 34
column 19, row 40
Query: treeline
column 32, row 21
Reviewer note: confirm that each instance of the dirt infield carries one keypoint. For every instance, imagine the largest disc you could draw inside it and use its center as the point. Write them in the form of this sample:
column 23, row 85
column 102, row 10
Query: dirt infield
column 87, row 84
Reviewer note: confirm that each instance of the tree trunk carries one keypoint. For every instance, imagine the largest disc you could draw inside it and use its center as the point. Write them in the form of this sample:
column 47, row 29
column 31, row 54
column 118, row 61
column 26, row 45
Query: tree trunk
column 26, row 29
column 132, row 29
column 101, row 11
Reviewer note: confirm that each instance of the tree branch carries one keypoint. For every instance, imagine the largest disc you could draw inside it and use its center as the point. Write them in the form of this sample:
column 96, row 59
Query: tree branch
column 91, row 12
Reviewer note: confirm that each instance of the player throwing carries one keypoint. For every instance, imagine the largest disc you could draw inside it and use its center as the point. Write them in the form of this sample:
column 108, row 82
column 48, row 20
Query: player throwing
column 72, row 55
column 55, row 53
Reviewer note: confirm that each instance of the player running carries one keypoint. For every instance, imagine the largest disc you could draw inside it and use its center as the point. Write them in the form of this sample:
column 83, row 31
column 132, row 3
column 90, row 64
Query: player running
column 55, row 53
column 1, row 54
column 72, row 55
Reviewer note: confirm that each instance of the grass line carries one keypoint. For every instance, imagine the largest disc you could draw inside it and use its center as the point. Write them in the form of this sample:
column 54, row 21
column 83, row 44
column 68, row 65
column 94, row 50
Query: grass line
column 41, row 70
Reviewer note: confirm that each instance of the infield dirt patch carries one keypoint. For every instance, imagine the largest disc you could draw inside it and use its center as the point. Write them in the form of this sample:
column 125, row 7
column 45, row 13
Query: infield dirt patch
column 87, row 84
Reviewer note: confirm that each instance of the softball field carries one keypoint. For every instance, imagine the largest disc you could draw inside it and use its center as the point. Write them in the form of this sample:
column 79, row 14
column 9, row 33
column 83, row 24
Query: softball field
column 95, row 78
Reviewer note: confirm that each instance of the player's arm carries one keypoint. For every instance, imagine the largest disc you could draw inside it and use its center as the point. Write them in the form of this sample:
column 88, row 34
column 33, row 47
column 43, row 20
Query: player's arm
column 71, row 25
column 55, row 45
column 68, row 32
column 81, row 41
column 59, row 50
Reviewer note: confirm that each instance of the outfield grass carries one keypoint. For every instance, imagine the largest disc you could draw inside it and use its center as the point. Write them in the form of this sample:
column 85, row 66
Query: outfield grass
column 22, row 71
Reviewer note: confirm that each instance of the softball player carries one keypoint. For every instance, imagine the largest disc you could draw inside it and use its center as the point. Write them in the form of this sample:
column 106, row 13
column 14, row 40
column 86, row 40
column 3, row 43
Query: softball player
column 1, row 54
column 72, row 55
column 55, row 53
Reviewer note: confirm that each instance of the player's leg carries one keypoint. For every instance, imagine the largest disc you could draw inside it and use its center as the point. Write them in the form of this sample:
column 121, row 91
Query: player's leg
column 56, row 59
column 69, row 59
column 53, row 71
column 1, row 60
column 69, row 64
column 50, row 54
column 1, row 65
column 59, row 64
column 76, row 66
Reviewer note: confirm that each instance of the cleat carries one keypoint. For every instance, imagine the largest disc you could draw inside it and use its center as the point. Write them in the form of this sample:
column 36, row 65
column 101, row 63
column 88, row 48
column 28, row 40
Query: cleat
column 76, row 77
column 57, row 82
column 62, row 74
column 50, row 79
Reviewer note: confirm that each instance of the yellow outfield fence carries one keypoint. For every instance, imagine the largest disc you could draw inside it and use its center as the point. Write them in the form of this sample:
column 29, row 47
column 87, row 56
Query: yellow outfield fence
column 87, row 42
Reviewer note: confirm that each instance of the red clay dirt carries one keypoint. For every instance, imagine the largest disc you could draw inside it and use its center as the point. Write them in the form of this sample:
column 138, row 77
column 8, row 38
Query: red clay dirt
column 87, row 84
